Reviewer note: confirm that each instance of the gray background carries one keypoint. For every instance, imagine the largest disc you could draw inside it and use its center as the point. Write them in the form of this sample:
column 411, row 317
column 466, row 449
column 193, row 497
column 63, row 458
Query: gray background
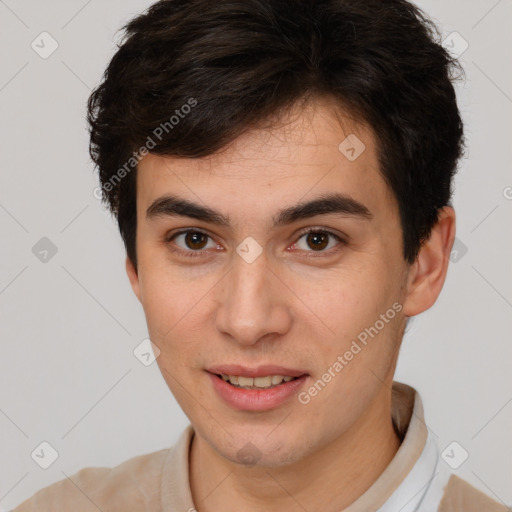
column 69, row 324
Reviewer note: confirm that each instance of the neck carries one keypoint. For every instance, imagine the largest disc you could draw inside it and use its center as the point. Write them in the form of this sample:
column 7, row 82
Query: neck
column 330, row 479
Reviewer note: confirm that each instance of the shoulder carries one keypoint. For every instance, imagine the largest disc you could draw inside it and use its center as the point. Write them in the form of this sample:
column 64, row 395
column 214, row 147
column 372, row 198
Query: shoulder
column 132, row 485
column 459, row 495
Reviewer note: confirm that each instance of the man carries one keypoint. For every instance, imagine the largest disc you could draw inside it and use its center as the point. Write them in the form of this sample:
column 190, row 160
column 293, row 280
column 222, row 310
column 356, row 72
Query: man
column 281, row 173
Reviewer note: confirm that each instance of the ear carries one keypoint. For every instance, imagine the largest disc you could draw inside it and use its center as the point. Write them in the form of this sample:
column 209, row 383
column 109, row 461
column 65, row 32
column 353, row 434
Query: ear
column 427, row 274
column 133, row 277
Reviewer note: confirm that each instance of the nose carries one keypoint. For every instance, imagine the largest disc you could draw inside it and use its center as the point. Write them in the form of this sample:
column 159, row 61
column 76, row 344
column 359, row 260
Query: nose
column 252, row 302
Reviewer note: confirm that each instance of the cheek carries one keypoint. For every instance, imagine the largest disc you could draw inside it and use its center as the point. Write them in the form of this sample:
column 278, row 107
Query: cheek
column 343, row 300
column 166, row 292
column 174, row 307
column 343, row 315
column 162, row 308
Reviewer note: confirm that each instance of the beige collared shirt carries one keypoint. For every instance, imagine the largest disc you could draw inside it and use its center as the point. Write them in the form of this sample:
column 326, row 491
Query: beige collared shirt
column 416, row 480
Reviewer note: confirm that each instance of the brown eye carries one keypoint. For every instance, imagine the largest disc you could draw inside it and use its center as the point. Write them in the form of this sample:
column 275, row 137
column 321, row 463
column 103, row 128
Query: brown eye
column 190, row 242
column 195, row 240
column 319, row 240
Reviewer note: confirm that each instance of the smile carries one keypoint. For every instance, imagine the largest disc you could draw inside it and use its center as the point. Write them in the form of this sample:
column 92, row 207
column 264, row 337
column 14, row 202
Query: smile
column 270, row 381
column 256, row 393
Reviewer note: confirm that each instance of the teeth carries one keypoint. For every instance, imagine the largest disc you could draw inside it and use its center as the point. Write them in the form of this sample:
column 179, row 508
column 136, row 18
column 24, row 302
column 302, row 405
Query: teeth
column 257, row 382
column 276, row 379
column 245, row 381
column 263, row 382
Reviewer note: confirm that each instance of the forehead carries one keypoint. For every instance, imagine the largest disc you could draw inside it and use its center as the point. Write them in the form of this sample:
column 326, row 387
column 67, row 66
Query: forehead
column 310, row 152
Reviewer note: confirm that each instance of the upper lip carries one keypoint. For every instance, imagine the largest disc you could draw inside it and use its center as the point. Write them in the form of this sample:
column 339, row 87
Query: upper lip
column 258, row 371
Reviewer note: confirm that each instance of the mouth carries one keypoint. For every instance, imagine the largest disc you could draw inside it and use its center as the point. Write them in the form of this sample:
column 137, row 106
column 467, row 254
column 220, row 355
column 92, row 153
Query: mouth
column 266, row 382
column 257, row 389
column 261, row 377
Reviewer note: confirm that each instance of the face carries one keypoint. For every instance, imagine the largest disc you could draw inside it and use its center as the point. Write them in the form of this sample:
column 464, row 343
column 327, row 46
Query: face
column 239, row 274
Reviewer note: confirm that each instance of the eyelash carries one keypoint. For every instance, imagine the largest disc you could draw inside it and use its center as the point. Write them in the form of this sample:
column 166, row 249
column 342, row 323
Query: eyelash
column 195, row 254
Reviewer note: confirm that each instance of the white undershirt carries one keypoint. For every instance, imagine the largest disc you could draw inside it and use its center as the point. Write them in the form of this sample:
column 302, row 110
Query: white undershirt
column 422, row 488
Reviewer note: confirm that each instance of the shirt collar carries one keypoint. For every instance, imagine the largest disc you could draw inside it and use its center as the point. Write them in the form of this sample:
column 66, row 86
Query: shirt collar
column 401, row 486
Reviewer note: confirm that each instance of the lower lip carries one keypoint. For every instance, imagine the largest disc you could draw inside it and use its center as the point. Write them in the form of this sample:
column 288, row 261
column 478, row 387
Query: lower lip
column 256, row 399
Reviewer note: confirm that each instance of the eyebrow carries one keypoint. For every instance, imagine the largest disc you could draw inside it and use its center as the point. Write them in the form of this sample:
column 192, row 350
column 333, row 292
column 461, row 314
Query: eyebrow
column 327, row 204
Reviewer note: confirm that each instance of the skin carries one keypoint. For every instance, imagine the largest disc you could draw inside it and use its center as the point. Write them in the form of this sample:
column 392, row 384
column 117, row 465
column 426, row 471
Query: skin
column 296, row 306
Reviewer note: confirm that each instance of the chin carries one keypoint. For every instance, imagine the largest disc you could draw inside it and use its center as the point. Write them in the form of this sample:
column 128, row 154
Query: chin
column 262, row 448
